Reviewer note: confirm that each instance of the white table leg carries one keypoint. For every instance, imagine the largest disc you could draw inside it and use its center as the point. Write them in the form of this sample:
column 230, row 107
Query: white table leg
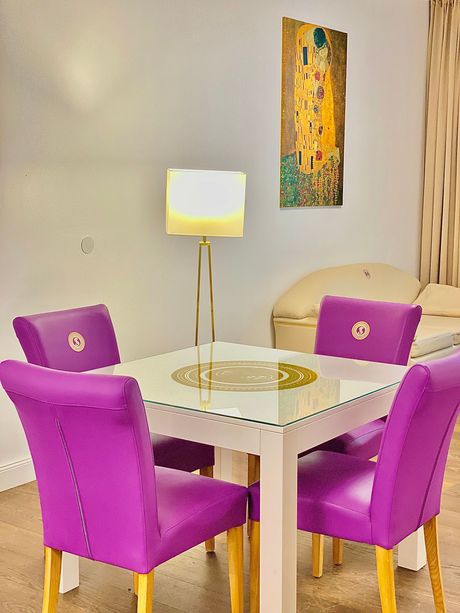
column 224, row 464
column 412, row 552
column 278, row 525
column 70, row 573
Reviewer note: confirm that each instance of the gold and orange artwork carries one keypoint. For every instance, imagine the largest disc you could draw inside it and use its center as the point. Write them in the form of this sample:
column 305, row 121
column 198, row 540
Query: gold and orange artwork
column 313, row 115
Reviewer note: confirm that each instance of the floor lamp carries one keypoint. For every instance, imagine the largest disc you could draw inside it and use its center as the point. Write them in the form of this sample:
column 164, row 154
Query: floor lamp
column 205, row 203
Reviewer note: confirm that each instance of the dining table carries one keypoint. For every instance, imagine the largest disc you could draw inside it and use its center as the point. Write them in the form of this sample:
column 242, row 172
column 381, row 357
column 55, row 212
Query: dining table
column 272, row 403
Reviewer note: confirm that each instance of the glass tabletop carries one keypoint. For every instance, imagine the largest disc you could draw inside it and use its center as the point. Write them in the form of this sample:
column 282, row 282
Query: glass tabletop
column 269, row 386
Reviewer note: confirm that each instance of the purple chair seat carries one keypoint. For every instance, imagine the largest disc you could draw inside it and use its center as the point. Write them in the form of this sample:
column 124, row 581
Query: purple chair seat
column 46, row 339
column 362, row 442
column 180, row 454
column 334, row 492
column 207, row 508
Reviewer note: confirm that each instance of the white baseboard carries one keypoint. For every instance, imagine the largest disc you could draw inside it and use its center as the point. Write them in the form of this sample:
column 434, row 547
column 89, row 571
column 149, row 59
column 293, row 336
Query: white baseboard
column 16, row 473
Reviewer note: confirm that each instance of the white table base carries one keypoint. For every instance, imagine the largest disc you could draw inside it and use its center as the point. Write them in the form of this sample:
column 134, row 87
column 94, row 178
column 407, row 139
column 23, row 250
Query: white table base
column 223, row 468
column 412, row 552
column 278, row 524
column 70, row 573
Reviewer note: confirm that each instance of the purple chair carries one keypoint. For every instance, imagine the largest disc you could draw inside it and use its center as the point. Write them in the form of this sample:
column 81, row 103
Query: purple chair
column 84, row 339
column 101, row 495
column 383, row 502
column 361, row 330
column 371, row 331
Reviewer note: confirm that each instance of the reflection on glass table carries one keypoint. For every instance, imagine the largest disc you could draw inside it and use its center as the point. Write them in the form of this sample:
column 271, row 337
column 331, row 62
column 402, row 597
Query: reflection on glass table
column 259, row 384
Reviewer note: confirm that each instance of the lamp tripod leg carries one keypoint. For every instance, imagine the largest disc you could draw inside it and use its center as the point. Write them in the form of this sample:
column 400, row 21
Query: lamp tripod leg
column 204, row 243
column 211, row 294
column 198, row 291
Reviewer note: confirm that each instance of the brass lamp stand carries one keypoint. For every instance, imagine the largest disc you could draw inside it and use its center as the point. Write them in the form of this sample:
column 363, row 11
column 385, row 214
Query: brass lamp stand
column 205, row 399
column 205, row 203
column 204, row 243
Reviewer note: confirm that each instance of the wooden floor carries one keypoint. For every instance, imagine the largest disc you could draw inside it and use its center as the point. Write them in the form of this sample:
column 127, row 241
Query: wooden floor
column 197, row 583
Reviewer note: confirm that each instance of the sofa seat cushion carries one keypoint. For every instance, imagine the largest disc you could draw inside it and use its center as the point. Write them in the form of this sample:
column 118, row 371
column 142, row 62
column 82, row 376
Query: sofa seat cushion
column 429, row 340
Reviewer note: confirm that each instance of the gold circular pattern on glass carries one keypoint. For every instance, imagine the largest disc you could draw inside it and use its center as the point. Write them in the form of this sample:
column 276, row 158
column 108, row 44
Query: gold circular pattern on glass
column 244, row 376
column 76, row 341
column 361, row 330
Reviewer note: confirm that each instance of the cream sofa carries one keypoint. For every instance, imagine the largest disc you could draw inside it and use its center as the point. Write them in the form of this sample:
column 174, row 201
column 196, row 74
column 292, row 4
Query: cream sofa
column 295, row 313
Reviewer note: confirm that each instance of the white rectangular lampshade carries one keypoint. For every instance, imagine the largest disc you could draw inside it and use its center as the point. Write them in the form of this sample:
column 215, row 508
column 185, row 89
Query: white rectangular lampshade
column 205, row 202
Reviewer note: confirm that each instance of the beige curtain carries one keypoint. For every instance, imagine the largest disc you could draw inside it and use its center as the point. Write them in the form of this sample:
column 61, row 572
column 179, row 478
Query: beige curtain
column 440, row 246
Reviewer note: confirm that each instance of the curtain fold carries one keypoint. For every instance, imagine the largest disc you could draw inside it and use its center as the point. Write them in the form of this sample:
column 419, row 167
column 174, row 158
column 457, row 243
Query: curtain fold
column 440, row 241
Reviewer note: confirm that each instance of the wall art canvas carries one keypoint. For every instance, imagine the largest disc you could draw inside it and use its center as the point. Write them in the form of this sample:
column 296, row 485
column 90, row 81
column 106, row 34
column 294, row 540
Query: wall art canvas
column 314, row 66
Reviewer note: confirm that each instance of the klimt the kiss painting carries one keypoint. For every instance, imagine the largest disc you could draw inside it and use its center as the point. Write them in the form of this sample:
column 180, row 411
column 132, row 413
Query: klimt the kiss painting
column 314, row 66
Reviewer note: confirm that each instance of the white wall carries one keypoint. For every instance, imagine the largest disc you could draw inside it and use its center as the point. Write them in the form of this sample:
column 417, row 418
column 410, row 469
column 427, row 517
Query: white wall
column 97, row 99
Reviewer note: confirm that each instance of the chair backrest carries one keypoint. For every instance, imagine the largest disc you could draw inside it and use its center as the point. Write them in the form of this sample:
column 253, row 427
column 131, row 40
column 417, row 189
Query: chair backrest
column 74, row 340
column 91, row 449
column 413, row 454
column 366, row 329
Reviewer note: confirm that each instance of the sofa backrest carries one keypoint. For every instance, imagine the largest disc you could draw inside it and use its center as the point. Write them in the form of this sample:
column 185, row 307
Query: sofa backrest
column 366, row 281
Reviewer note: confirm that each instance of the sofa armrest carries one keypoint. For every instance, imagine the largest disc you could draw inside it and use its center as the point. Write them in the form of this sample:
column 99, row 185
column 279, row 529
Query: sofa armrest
column 297, row 302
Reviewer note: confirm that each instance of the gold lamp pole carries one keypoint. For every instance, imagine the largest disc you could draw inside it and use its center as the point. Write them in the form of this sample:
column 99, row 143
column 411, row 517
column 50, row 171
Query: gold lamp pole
column 205, row 403
column 204, row 243
column 205, row 203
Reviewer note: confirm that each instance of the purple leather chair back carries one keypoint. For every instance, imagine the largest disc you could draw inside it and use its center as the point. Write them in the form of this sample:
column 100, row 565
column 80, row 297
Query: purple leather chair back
column 93, row 459
column 73, row 340
column 413, row 453
column 366, row 329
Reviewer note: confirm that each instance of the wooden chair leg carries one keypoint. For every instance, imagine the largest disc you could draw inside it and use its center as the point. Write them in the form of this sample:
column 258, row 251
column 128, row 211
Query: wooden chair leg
column 253, row 469
column 135, row 583
column 254, row 568
column 145, row 593
column 53, row 560
column 253, row 477
column 386, row 577
column 317, row 551
column 337, row 551
column 208, row 471
column 434, row 563
column 235, row 568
